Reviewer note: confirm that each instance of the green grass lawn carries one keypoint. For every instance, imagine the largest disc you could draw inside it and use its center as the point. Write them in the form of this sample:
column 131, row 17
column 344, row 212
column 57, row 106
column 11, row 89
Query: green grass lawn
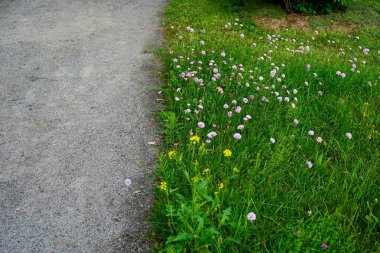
column 271, row 136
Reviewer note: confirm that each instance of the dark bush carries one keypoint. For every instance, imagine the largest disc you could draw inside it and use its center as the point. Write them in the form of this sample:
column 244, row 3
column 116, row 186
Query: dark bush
column 315, row 6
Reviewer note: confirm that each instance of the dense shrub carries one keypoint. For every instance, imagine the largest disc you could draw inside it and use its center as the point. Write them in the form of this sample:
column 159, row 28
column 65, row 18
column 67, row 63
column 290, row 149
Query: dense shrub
column 315, row 6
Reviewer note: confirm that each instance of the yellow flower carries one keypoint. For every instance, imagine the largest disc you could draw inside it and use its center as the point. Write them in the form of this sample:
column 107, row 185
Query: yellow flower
column 163, row 186
column 227, row 153
column 172, row 154
column 376, row 201
column 220, row 186
column 195, row 139
column 236, row 170
column 195, row 179
column 205, row 171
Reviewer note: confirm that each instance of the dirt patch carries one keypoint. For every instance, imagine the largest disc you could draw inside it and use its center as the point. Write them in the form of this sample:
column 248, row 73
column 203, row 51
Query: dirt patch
column 293, row 21
column 302, row 23
column 347, row 28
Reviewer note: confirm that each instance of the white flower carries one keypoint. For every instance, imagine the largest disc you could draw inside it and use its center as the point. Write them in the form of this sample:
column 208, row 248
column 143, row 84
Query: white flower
column 251, row 216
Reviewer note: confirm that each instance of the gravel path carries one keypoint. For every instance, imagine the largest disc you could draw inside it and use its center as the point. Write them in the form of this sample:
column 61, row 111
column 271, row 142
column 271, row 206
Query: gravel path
column 77, row 99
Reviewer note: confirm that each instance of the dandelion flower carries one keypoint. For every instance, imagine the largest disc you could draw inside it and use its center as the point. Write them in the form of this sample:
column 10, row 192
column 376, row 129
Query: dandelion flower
column 220, row 186
column 227, row 153
column 251, row 216
column 195, row 139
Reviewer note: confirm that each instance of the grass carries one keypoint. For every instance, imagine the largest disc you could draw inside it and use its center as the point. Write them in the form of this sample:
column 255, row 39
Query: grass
column 243, row 169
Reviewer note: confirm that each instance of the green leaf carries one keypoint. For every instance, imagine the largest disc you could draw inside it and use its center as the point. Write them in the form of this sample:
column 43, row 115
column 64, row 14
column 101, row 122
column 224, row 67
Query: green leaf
column 180, row 237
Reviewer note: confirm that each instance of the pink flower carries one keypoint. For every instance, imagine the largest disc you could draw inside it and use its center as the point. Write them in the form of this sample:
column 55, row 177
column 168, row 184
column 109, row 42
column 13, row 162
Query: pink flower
column 201, row 124
column 311, row 133
column 215, row 70
column 237, row 136
column 309, row 164
column 225, row 106
column 272, row 140
column 240, row 127
column 319, row 139
column 251, row 216
column 324, row 246
column 223, row 54
column 127, row 182
column 307, row 67
column 349, row 135
column 211, row 134
column 238, row 109
column 295, row 121
column 245, row 100
column 229, row 114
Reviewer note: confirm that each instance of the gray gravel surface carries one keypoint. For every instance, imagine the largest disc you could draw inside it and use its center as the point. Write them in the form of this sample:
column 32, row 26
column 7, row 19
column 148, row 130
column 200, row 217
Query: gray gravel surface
column 77, row 101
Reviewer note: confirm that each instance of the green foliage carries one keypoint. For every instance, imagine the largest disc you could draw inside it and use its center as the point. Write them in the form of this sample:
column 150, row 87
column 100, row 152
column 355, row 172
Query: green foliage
column 315, row 231
column 204, row 194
